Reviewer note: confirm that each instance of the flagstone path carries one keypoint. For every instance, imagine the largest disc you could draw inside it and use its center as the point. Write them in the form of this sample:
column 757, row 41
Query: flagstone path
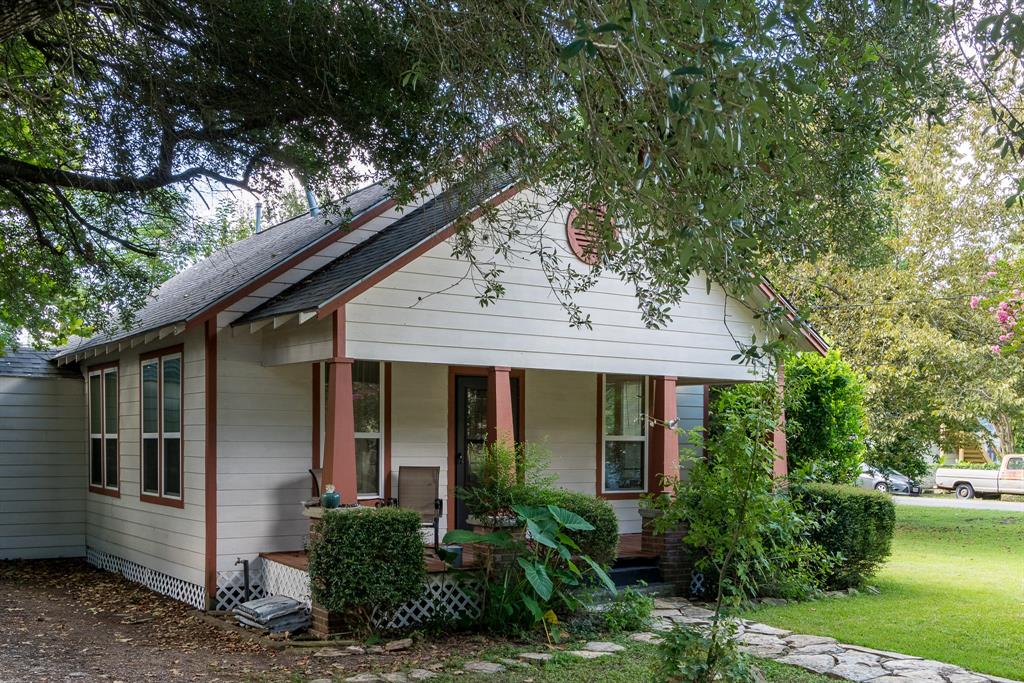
column 814, row 653
column 817, row 653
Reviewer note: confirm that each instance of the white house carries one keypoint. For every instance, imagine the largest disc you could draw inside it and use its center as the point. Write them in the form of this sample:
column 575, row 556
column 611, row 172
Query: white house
column 356, row 345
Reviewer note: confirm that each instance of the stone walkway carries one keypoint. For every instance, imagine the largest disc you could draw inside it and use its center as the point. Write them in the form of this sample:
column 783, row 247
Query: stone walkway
column 814, row 653
column 817, row 653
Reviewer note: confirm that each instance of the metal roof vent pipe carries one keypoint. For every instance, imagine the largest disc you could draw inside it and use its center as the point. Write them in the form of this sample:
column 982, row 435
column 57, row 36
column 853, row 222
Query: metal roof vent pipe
column 314, row 210
column 259, row 216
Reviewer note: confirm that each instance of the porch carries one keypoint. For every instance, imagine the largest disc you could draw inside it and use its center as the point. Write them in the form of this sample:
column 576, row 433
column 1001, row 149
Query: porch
column 629, row 551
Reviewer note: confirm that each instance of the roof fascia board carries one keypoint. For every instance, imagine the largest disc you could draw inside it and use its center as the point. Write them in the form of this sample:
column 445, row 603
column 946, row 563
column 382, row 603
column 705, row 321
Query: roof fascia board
column 268, row 276
column 341, row 298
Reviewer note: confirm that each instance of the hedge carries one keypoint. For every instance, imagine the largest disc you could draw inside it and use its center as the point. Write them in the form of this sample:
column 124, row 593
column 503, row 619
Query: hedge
column 855, row 524
column 364, row 559
column 600, row 544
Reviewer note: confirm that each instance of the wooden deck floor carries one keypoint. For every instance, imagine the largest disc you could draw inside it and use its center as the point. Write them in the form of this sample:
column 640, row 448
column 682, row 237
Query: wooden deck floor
column 629, row 547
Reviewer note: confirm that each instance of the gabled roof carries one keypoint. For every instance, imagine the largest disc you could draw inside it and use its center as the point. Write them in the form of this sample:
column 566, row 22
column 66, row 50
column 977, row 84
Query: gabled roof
column 390, row 244
column 194, row 290
column 32, row 363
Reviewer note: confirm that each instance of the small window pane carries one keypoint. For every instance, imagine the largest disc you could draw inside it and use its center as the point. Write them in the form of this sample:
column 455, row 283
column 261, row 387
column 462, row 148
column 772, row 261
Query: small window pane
column 96, row 461
column 111, row 460
column 1015, row 464
column 623, row 406
column 150, row 466
column 172, row 467
column 623, row 465
column 366, row 396
column 368, row 467
column 95, row 405
column 172, row 395
column 150, row 388
column 110, row 403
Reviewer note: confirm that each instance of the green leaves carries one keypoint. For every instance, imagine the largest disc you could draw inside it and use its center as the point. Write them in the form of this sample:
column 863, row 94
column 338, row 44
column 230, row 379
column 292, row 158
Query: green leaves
column 538, row 577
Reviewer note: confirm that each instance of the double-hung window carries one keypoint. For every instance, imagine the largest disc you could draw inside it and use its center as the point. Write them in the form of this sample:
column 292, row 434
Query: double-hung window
column 368, row 411
column 162, row 470
column 103, row 430
column 624, row 466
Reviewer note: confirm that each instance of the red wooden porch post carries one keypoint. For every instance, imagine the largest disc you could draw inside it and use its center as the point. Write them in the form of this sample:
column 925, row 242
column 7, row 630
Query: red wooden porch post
column 664, row 440
column 499, row 406
column 780, row 466
column 339, row 437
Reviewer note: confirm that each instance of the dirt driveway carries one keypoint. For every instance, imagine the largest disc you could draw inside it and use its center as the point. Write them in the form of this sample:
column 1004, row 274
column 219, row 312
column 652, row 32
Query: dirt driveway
column 65, row 621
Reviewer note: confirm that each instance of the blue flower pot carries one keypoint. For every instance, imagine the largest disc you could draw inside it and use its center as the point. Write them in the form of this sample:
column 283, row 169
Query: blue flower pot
column 330, row 500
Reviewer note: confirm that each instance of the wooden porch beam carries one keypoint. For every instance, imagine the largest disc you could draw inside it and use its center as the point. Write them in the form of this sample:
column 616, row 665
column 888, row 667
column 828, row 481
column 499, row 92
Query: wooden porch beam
column 499, row 405
column 339, row 437
column 664, row 458
column 780, row 466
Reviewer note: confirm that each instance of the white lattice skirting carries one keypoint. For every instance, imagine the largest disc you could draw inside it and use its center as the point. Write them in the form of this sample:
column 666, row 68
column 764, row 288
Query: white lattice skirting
column 158, row 582
column 445, row 596
column 231, row 587
column 280, row 579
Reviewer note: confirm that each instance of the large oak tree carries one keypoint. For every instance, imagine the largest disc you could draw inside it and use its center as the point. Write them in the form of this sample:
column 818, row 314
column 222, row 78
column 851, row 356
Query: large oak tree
column 722, row 136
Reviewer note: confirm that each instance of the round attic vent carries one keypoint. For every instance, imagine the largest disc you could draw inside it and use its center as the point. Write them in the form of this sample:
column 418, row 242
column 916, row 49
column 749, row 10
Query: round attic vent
column 583, row 238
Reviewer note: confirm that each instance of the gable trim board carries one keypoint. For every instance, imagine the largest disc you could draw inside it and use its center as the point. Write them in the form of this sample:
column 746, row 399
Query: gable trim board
column 210, row 458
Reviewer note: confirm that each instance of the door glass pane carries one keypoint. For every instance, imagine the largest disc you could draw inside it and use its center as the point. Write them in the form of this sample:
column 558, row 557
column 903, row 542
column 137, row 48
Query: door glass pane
column 150, row 387
column 366, row 396
column 95, row 405
column 172, row 395
column 96, row 461
column 172, row 467
column 623, row 406
column 111, row 460
column 623, row 465
column 110, row 403
column 368, row 467
column 476, row 413
column 150, row 473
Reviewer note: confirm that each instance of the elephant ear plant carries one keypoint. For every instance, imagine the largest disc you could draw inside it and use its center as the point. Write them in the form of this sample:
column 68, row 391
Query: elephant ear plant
column 548, row 575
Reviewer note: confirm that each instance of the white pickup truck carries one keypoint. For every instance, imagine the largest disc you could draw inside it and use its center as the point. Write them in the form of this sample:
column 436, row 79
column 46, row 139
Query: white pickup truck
column 967, row 483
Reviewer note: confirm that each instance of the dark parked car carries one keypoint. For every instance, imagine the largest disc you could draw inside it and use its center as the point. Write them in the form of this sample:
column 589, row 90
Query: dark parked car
column 890, row 481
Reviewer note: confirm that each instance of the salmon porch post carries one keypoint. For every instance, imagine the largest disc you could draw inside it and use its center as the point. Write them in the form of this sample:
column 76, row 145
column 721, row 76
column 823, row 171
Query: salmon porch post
column 339, row 430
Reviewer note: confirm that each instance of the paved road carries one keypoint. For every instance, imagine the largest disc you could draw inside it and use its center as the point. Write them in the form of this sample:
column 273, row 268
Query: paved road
column 951, row 502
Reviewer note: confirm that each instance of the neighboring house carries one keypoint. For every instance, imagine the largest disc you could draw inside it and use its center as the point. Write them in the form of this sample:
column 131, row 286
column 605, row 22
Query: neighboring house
column 361, row 349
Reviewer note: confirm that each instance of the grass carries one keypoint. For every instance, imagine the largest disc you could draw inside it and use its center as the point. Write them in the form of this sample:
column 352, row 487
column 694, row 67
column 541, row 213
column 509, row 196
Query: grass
column 635, row 665
column 953, row 590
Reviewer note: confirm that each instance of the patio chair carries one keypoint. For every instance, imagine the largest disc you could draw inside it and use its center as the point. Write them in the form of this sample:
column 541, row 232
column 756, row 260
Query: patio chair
column 318, row 480
column 419, row 490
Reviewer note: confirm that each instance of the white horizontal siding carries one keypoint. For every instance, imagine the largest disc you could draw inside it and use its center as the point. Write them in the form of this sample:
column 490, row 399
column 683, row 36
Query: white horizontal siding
column 43, row 468
column 264, row 451
column 167, row 539
column 419, row 423
column 428, row 311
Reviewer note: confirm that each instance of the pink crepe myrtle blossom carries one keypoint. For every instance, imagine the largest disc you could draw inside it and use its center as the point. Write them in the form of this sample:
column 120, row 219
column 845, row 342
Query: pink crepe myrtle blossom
column 975, row 300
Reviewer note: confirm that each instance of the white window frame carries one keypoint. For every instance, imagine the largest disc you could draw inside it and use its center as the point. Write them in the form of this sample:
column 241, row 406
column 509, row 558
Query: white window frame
column 102, row 435
column 160, row 435
column 381, row 494
column 605, row 438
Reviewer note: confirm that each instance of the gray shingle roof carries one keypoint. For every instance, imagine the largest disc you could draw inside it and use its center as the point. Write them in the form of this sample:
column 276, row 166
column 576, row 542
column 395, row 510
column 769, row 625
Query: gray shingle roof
column 193, row 290
column 357, row 264
column 32, row 363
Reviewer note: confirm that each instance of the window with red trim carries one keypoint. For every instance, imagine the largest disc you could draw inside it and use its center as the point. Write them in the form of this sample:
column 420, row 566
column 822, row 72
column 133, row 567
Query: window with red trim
column 103, row 429
column 162, row 470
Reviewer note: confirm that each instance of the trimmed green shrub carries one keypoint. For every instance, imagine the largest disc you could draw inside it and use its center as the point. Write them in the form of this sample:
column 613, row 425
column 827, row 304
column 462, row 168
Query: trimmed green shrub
column 853, row 524
column 365, row 559
column 601, row 543
column 825, row 418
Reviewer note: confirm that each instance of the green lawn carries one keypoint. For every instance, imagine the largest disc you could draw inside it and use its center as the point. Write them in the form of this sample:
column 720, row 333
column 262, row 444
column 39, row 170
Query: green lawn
column 953, row 590
column 632, row 666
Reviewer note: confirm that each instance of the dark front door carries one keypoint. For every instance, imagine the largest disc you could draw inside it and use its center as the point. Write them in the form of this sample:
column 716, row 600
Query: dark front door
column 471, row 432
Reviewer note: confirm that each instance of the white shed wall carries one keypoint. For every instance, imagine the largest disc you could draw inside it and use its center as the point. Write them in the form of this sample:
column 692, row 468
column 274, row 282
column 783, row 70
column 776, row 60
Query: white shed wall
column 42, row 468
